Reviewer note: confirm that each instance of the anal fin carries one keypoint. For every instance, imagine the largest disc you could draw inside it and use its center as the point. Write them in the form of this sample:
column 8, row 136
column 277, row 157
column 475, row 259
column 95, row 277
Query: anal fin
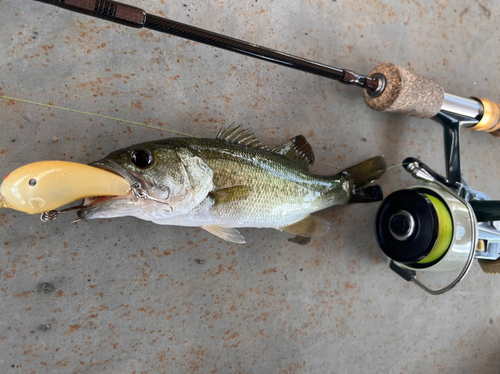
column 229, row 234
column 308, row 227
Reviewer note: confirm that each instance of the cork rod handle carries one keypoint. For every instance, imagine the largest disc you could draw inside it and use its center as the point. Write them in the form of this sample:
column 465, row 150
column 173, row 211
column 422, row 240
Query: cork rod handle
column 406, row 93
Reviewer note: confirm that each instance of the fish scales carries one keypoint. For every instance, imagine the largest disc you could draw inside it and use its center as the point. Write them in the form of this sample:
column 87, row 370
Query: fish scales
column 229, row 182
column 280, row 190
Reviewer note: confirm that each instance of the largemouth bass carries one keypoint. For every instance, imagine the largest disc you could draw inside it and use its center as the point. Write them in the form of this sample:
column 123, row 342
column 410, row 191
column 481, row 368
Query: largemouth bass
column 230, row 182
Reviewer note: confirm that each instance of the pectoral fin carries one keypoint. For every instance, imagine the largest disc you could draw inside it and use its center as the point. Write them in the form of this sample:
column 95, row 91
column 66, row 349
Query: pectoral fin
column 229, row 234
column 228, row 195
column 308, row 227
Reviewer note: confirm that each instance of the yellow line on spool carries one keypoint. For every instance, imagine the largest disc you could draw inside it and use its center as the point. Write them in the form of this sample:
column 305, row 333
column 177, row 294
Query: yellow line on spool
column 445, row 231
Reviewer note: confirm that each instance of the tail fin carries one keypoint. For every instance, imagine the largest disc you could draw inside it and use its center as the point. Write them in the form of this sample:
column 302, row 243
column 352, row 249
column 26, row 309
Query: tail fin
column 364, row 173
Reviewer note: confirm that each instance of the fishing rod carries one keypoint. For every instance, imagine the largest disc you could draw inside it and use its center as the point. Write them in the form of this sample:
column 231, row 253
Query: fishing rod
column 387, row 88
column 440, row 225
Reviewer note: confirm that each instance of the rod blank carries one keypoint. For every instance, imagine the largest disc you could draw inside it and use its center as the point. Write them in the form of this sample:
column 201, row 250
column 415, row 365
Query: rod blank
column 135, row 17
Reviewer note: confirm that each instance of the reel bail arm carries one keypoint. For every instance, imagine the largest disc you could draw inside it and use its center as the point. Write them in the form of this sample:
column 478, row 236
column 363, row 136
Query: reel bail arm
column 421, row 171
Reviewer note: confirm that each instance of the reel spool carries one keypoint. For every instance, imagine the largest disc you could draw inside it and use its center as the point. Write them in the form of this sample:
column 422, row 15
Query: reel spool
column 424, row 228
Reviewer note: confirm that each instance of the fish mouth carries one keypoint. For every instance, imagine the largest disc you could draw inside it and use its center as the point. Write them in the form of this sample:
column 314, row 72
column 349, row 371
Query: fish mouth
column 115, row 168
column 108, row 206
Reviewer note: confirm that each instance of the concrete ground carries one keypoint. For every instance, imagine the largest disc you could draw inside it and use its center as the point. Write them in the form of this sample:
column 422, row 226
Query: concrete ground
column 128, row 296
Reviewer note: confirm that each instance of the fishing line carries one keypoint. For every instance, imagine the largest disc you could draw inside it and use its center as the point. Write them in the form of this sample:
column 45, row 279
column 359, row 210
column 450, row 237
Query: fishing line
column 95, row 115
column 395, row 166
column 125, row 121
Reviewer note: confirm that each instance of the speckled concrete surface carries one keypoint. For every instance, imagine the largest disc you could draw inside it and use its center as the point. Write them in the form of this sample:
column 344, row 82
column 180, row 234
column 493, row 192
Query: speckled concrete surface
column 127, row 296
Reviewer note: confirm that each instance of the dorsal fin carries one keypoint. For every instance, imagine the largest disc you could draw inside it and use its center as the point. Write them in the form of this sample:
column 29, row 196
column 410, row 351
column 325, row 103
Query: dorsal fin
column 239, row 135
column 298, row 150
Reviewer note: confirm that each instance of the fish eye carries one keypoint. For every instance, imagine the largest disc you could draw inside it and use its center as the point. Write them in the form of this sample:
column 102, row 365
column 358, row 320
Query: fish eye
column 32, row 182
column 142, row 159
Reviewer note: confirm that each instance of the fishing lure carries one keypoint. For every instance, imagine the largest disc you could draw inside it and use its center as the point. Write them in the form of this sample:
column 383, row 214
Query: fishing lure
column 43, row 186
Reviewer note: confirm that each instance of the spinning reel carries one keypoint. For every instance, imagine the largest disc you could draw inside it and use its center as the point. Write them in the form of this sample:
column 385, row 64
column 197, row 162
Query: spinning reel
column 443, row 223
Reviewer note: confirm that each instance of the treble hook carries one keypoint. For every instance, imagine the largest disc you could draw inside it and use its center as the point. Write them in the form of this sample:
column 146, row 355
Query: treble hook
column 137, row 190
column 141, row 193
column 53, row 214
